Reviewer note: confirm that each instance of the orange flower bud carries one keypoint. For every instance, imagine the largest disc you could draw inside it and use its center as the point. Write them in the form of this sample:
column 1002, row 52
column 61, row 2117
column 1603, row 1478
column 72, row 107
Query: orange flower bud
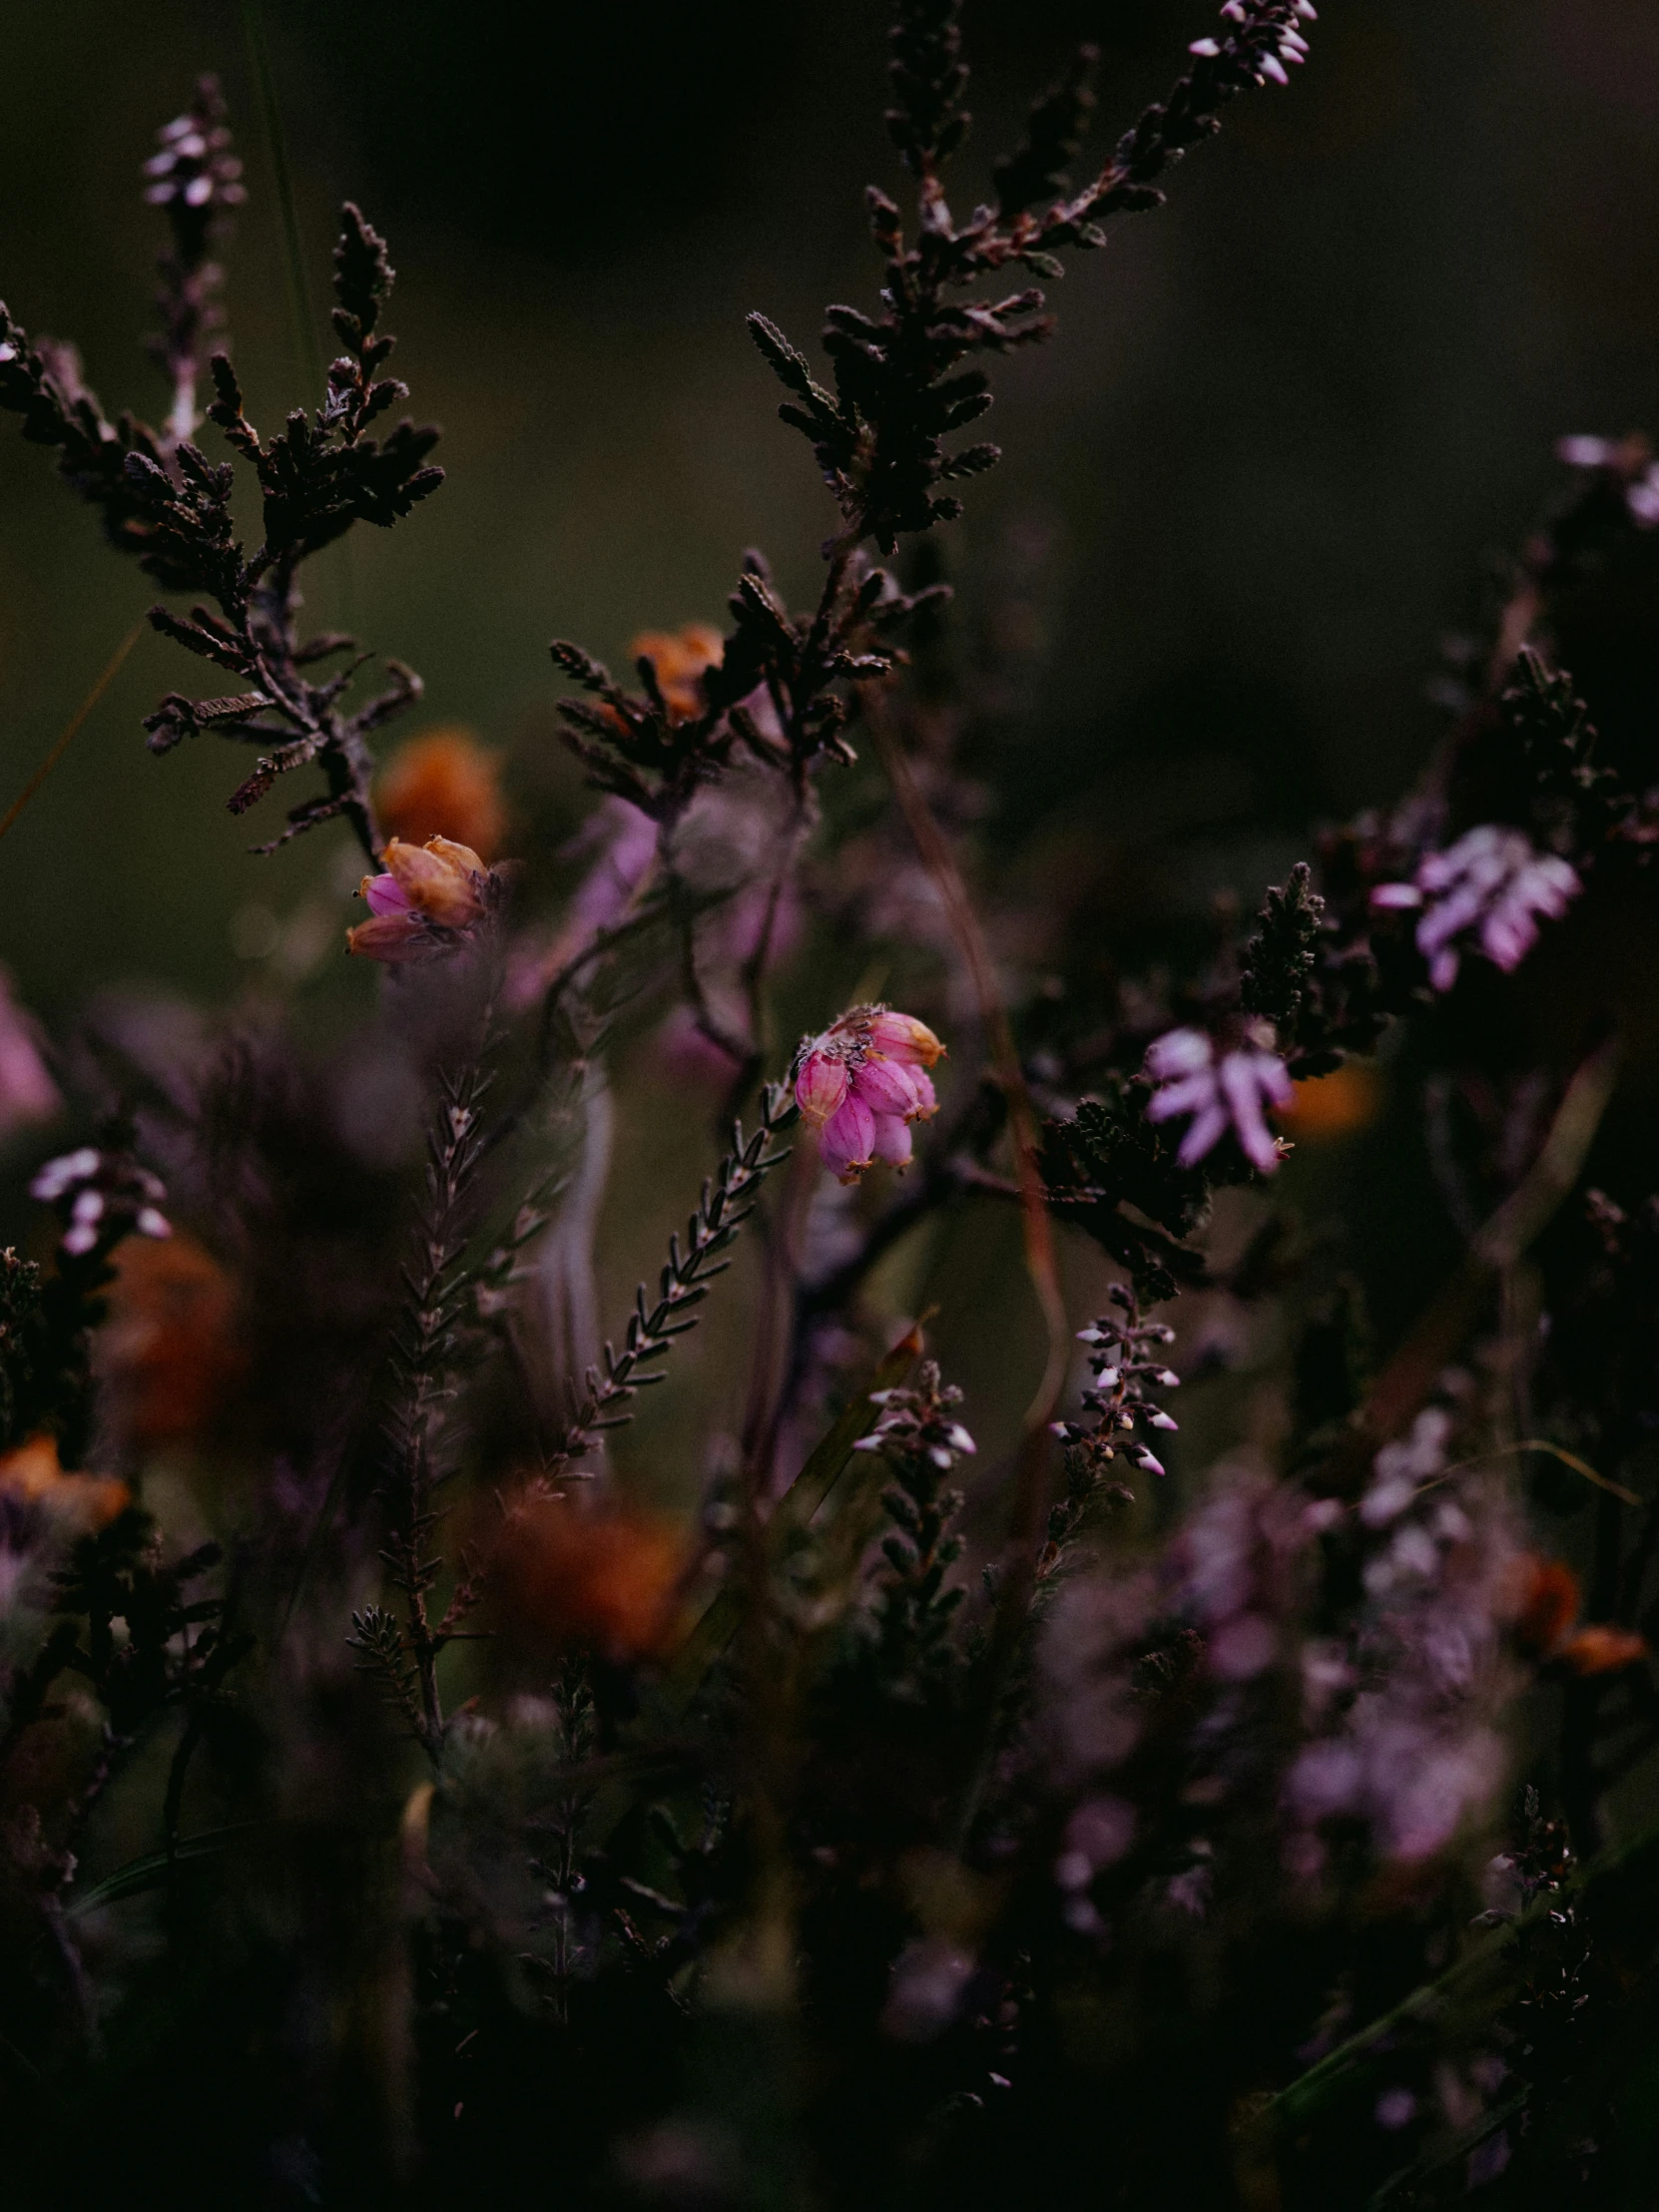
column 444, row 785
column 680, row 658
column 32, row 1475
column 1602, row 1650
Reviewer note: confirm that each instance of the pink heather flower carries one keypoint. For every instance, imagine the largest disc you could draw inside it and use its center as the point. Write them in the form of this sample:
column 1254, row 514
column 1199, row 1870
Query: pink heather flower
column 1220, row 1092
column 429, row 897
column 1491, row 884
column 862, row 1084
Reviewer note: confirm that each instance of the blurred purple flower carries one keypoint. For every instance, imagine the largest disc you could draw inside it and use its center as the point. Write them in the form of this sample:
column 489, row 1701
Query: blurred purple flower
column 1418, row 1748
column 1230, row 1090
column 101, row 1196
column 27, row 1092
column 1491, row 885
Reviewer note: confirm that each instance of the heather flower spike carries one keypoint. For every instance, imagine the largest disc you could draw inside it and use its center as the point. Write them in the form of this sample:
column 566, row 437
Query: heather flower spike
column 862, row 1083
column 1218, row 1091
column 429, row 898
column 101, row 1197
column 1487, row 889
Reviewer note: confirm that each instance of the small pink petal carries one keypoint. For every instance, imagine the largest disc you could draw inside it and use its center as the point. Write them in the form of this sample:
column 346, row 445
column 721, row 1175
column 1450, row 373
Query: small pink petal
column 887, row 1086
column 847, row 1140
column 892, row 1140
column 385, row 895
column 902, row 1038
column 1177, row 1052
column 821, row 1086
column 1207, row 1131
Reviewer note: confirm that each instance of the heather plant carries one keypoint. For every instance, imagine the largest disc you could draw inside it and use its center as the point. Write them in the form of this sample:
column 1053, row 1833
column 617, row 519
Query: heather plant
column 928, row 1781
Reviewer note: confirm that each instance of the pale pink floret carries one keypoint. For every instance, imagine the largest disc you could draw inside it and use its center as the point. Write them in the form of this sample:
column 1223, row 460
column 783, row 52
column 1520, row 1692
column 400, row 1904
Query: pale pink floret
column 902, row 1038
column 1230, row 1090
column 848, row 1141
column 889, row 1087
column 1490, row 887
column 821, row 1086
column 892, row 1140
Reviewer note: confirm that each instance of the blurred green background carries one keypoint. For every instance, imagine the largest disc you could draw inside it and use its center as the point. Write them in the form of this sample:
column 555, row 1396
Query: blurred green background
column 1282, row 422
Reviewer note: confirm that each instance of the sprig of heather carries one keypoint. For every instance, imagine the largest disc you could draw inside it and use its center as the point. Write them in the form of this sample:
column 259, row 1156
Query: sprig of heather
column 901, row 387
column 102, row 1195
column 1127, row 1359
column 728, row 1198
column 164, row 502
column 439, row 1288
column 196, row 180
column 779, row 686
column 921, row 1439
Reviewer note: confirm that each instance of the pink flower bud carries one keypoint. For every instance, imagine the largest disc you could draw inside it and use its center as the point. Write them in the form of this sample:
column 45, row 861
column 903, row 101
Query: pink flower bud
column 888, row 1087
column 848, row 1142
column 892, row 1140
column 902, row 1038
column 385, row 895
column 821, row 1086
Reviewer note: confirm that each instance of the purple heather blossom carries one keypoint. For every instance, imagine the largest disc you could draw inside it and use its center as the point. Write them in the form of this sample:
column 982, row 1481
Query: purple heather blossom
column 1404, row 1723
column 1489, row 887
column 1220, row 1091
column 101, row 1195
column 1641, row 492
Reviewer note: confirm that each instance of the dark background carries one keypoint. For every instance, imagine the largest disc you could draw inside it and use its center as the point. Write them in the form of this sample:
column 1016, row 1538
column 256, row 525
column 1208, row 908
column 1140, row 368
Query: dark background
column 1284, row 423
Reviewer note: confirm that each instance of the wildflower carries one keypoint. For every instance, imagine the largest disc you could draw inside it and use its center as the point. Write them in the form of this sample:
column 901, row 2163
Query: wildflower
column 1631, row 461
column 27, row 1092
column 1493, row 882
column 607, row 1579
column 1126, row 1356
column 1326, row 1108
column 862, row 1083
column 100, row 1197
column 918, row 1423
column 679, row 659
column 1542, row 1603
column 1220, row 1091
column 169, row 1351
column 1418, row 1749
column 444, row 785
column 32, row 1475
column 429, row 899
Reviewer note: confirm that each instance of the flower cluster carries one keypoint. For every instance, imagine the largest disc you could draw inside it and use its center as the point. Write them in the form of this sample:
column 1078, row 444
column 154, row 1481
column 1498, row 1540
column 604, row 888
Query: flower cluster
column 918, row 1423
column 1237, row 1560
column 429, row 898
column 1490, row 887
column 196, row 168
column 100, row 1197
column 1292, row 46
column 1402, row 1715
column 862, row 1084
column 1230, row 1088
column 1631, row 463
column 1126, row 1358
